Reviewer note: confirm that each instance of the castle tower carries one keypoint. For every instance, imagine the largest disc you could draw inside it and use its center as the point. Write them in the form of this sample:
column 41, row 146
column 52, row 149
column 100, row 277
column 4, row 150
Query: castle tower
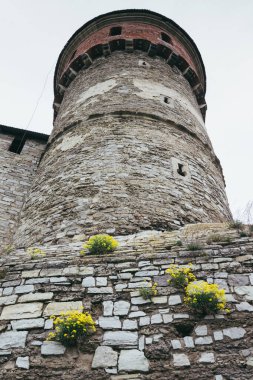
column 129, row 150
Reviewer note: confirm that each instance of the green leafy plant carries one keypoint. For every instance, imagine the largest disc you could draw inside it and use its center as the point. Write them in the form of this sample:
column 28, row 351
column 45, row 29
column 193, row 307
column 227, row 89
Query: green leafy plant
column 179, row 243
column 149, row 291
column 8, row 249
column 218, row 238
column 205, row 298
column 35, row 253
column 180, row 276
column 100, row 245
column 72, row 327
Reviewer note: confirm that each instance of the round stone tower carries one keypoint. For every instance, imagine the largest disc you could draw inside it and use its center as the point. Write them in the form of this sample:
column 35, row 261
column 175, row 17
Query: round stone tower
column 129, row 150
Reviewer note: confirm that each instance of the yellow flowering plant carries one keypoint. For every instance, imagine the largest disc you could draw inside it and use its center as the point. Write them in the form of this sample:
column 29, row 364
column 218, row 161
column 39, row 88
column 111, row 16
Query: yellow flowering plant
column 149, row 291
column 35, row 252
column 205, row 298
column 180, row 276
column 71, row 327
column 100, row 245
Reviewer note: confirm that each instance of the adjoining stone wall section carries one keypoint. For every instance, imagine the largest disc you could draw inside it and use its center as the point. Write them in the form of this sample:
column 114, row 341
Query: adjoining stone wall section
column 135, row 339
column 17, row 173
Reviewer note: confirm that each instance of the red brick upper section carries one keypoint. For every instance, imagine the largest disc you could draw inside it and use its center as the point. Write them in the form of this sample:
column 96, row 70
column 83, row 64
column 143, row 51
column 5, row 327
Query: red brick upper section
column 131, row 30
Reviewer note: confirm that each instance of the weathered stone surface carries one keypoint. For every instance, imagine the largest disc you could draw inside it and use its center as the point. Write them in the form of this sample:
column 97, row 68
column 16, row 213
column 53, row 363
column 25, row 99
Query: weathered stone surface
column 201, row 330
column 181, row 360
column 107, row 323
column 133, row 360
column 23, row 362
column 101, row 281
column 156, row 319
column 108, row 308
column 104, row 357
column 244, row 306
column 246, row 291
column 26, row 324
column 22, row 311
column 121, row 308
column 238, row 279
column 12, row 339
column 8, row 300
column 52, row 348
column 218, row 335
column 174, row 300
column 88, row 281
column 234, row 332
column 102, row 290
column 36, row 297
column 207, row 357
column 55, row 308
column 30, row 273
column 24, row 289
column 204, row 340
column 129, row 324
column 139, row 301
column 176, row 344
column 120, row 338
column 188, row 341
column 159, row 299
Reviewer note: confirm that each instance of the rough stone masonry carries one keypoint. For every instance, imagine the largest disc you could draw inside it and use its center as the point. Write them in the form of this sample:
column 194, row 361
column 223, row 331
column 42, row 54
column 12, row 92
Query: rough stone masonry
column 129, row 155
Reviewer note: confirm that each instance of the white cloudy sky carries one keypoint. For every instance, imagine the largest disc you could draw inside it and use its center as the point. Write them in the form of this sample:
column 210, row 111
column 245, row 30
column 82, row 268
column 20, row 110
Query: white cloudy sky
column 33, row 32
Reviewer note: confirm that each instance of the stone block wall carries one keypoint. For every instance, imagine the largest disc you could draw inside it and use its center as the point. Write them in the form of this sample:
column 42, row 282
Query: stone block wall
column 135, row 338
column 17, row 173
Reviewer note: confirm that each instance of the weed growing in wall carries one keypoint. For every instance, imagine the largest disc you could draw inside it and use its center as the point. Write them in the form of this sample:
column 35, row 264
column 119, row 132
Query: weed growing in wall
column 180, row 276
column 35, row 253
column 71, row 327
column 149, row 291
column 100, row 245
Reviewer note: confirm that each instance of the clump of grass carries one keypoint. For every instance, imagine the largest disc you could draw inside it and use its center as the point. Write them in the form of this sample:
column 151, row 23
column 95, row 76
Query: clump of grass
column 194, row 246
column 218, row 238
column 236, row 224
column 179, row 243
column 149, row 291
column 2, row 273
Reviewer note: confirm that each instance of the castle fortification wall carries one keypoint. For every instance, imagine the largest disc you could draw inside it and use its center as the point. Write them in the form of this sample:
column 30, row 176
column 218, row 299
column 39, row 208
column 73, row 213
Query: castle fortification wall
column 135, row 339
column 17, row 173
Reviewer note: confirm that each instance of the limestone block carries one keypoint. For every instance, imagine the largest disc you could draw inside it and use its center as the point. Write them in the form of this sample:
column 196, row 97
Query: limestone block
column 120, row 287
column 108, row 308
column 13, row 339
column 125, row 276
column 201, row 330
column 26, row 324
column 23, row 362
column 188, row 341
column 139, row 301
column 102, row 290
column 39, row 280
column 207, row 357
column 120, row 338
column 121, row 308
column 144, row 321
column 244, row 306
column 24, row 289
column 51, row 272
column 176, row 344
column 167, row 318
column 101, row 281
column 147, row 273
column 174, row 300
column 234, row 332
column 140, row 284
column 238, row 279
column 104, row 357
column 86, row 271
column 60, row 280
column 107, row 323
column 88, row 282
column 218, row 335
column 133, row 360
column 6, row 291
column 49, row 324
column 55, row 308
column 156, row 319
column 136, row 314
column 30, row 273
column 52, row 348
column 204, row 340
column 181, row 360
column 22, row 311
column 246, row 291
column 159, row 299
column 70, row 271
column 129, row 324
column 8, row 300
column 36, row 297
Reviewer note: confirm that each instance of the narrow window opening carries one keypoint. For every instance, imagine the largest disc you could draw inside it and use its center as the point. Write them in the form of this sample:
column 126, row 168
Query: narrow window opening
column 166, row 38
column 72, row 56
column 166, row 100
column 115, row 31
column 17, row 144
column 180, row 170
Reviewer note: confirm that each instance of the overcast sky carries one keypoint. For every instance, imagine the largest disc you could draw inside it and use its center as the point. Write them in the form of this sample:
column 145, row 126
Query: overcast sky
column 33, row 32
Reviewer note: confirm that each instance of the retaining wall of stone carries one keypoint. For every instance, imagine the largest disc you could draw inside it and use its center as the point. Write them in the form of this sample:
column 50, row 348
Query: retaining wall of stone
column 135, row 339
